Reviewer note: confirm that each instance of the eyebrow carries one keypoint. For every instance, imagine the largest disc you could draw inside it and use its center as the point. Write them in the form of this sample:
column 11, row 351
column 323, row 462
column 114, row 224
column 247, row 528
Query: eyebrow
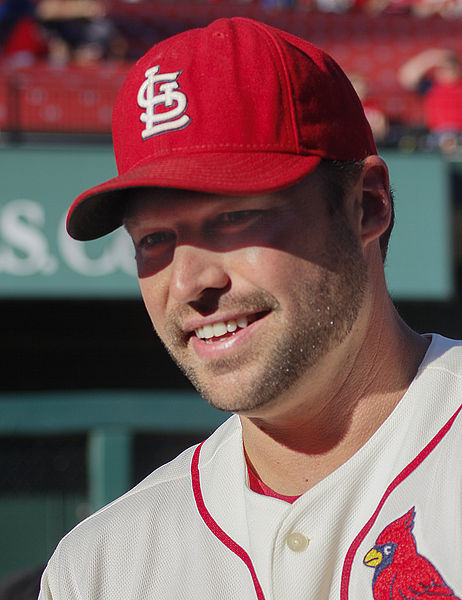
column 128, row 221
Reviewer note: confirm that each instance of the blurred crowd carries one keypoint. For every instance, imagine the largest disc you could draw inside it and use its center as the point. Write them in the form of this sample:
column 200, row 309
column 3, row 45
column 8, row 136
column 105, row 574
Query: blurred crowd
column 435, row 75
column 62, row 31
column 420, row 8
column 82, row 32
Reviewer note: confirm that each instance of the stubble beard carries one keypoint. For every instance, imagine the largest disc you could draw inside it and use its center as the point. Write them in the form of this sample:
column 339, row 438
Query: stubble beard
column 322, row 317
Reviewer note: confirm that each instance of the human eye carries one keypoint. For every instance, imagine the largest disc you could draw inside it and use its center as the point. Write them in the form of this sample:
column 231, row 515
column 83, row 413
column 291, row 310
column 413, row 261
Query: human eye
column 236, row 218
column 156, row 240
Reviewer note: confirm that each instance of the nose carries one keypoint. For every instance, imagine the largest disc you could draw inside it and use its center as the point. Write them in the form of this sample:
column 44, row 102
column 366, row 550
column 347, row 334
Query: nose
column 195, row 271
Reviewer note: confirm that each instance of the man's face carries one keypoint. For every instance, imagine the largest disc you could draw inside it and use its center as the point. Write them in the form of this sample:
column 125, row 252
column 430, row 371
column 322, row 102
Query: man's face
column 248, row 294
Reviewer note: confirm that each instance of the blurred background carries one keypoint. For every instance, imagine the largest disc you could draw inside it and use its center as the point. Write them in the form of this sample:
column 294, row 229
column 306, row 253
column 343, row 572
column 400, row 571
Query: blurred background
column 89, row 401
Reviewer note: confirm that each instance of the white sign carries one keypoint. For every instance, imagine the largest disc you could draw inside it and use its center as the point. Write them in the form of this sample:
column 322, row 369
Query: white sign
column 29, row 247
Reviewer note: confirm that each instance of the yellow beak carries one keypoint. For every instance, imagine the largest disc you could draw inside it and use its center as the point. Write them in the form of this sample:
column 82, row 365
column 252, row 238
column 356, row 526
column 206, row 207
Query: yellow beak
column 373, row 558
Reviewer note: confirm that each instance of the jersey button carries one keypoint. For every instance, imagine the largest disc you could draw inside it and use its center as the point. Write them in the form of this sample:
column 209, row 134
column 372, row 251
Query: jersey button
column 297, row 542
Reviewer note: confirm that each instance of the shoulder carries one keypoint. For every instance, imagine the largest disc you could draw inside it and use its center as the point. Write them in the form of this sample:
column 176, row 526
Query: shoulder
column 437, row 387
column 156, row 519
column 444, row 355
column 165, row 491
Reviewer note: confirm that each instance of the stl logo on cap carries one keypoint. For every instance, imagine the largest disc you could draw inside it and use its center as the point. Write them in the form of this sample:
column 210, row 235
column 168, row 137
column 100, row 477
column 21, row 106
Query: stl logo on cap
column 169, row 95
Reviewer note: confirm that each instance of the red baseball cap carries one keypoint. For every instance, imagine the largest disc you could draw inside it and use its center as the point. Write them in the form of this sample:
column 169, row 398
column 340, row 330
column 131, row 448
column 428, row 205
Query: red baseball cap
column 236, row 108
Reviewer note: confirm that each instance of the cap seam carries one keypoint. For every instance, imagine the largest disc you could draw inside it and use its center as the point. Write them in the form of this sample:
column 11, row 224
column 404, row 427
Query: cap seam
column 219, row 147
column 293, row 119
column 279, row 167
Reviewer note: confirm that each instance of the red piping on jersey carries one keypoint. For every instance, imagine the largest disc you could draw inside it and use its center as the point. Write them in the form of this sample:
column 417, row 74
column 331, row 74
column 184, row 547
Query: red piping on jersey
column 347, row 565
column 215, row 528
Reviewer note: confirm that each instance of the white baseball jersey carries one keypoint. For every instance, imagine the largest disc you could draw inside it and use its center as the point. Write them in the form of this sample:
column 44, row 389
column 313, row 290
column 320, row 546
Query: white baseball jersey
column 387, row 524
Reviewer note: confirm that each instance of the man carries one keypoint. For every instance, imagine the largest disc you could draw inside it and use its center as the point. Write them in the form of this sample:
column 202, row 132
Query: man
column 435, row 73
column 260, row 214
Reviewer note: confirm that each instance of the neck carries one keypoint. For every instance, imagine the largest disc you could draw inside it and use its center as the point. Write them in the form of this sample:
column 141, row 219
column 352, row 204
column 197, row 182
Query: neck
column 309, row 433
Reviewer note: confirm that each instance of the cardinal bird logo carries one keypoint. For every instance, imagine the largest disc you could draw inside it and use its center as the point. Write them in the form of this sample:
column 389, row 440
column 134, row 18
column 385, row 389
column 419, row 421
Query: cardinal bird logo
column 400, row 572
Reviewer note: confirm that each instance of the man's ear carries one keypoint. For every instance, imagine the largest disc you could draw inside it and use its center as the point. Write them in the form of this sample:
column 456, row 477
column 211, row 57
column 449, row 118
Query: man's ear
column 376, row 204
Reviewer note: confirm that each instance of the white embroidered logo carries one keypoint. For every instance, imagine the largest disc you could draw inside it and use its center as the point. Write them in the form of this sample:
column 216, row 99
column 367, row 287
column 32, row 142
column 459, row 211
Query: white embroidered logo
column 168, row 94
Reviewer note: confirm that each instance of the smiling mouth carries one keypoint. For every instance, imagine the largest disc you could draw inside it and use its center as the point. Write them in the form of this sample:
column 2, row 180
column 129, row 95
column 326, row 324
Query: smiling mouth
column 223, row 329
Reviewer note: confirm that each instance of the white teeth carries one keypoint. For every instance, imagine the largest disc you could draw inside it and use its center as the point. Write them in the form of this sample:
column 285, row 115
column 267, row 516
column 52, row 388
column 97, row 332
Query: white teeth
column 231, row 326
column 207, row 331
column 242, row 322
column 221, row 328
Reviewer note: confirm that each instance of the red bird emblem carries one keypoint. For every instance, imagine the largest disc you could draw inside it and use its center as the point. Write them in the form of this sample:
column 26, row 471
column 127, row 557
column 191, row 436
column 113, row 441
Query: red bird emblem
column 400, row 572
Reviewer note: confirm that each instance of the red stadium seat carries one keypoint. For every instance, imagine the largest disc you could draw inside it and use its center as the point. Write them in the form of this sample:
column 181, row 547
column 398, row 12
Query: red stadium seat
column 80, row 100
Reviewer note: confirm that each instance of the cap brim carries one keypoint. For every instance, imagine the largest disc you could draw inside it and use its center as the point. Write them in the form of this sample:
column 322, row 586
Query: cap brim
column 100, row 210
